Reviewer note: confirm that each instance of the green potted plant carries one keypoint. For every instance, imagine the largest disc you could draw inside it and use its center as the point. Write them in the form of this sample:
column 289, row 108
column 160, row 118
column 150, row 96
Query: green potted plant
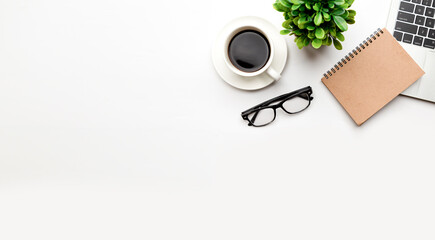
column 316, row 22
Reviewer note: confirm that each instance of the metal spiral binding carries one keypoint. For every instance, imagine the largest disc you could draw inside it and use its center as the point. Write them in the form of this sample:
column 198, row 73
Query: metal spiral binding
column 351, row 55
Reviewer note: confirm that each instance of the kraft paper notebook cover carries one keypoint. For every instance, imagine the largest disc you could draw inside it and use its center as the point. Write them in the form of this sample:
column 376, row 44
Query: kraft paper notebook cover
column 371, row 76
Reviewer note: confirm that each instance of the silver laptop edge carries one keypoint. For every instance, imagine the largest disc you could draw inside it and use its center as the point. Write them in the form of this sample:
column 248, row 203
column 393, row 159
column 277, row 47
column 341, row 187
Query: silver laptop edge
column 424, row 88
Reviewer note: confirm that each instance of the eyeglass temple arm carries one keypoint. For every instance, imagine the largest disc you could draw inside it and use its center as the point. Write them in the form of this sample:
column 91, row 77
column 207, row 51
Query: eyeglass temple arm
column 276, row 99
column 306, row 98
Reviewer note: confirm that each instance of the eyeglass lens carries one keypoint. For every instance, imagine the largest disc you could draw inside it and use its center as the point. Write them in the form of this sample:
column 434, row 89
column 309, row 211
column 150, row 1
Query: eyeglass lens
column 296, row 104
column 262, row 117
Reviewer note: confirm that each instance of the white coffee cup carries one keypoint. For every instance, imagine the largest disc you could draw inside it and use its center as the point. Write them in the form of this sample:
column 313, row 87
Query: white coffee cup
column 265, row 69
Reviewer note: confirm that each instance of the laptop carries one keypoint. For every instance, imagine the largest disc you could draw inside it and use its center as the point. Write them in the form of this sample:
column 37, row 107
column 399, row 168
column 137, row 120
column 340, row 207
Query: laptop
column 412, row 23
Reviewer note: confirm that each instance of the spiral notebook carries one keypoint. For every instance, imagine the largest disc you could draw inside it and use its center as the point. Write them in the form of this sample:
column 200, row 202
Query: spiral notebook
column 371, row 76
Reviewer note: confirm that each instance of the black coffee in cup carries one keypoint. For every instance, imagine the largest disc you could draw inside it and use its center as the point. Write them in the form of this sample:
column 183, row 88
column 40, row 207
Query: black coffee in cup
column 249, row 51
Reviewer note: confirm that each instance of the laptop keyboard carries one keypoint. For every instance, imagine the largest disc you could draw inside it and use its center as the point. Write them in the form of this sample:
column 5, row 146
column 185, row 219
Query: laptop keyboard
column 416, row 23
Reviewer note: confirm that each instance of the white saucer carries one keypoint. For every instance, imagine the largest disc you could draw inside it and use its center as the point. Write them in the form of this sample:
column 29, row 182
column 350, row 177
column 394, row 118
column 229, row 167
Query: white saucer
column 249, row 83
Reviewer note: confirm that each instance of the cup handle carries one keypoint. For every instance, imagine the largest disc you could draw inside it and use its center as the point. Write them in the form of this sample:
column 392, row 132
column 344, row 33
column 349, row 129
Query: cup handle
column 273, row 74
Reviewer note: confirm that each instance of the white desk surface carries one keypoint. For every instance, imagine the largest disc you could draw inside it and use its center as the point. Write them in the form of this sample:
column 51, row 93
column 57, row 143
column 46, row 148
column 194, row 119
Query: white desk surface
column 115, row 125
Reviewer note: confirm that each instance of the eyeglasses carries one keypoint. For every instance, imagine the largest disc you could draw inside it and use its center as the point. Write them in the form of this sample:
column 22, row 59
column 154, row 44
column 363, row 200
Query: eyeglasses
column 292, row 103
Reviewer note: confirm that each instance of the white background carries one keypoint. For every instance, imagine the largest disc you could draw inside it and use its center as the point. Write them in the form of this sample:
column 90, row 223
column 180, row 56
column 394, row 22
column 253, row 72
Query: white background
column 115, row 125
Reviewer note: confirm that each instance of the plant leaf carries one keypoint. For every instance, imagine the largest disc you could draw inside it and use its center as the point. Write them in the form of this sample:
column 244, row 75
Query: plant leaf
column 286, row 24
column 285, row 3
column 296, row 20
column 345, row 14
column 311, row 35
column 318, row 19
column 295, row 7
column 339, row 2
column 307, row 5
column 303, row 20
column 300, row 42
column 337, row 44
column 341, row 23
column 320, row 33
column 338, row 11
column 340, row 36
column 352, row 13
column 333, row 31
column 306, row 41
column 311, row 28
column 285, row 32
column 280, row 8
column 326, row 16
column 350, row 21
column 298, row 32
column 316, row 43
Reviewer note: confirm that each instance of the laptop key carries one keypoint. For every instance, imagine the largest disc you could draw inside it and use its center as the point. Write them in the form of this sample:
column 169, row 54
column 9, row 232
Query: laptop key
column 416, row 1
column 427, row 2
column 422, row 31
column 430, row 12
column 429, row 43
column 420, row 20
column 407, row 38
column 398, row 36
column 406, row 17
column 407, row 7
column 419, row 10
column 431, row 34
column 430, row 22
column 418, row 41
column 405, row 27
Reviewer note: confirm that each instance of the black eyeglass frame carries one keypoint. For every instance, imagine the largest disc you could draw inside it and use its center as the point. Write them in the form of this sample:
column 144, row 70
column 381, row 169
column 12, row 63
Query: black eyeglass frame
column 281, row 99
